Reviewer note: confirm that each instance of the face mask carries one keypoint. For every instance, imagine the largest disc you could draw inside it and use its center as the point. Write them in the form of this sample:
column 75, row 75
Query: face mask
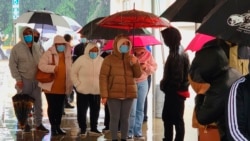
column 124, row 49
column 28, row 38
column 60, row 48
column 36, row 39
column 92, row 55
column 84, row 40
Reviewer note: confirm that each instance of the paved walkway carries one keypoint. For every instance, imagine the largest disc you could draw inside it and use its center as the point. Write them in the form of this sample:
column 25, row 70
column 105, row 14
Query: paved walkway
column 152, row 130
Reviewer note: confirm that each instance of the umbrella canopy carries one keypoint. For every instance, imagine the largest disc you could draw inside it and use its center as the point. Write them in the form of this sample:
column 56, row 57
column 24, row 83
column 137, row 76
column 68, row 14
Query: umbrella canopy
column 93, row 31
column 43, row 17
column 229, row 21
column 132, row 19
column 139, row 41
column 198, row 41
column 23, row 104
column 189, row 10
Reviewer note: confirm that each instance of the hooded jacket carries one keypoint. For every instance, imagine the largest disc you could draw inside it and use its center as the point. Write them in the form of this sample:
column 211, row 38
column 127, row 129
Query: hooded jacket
column 85, row 72
column 46, row 61
column 23, row 63
column 117, row 74
column 150, row 63
column 210, row 65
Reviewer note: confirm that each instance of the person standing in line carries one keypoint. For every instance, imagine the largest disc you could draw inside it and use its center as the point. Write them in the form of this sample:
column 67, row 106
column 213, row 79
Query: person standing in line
column 79, row 48
column 148, row 66
column 68, row 38
column 37, row 39
column 145, row 118
column 237, row 109
column 2, row 39
column 211, row 65
column 62, row 85
column 175, row 85
column 23, row 61
column 85, row 76
column 118, row 86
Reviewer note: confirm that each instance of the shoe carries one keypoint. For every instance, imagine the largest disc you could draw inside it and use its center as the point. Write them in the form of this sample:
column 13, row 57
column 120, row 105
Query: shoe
column 60, row 131
column 42, row 128
column 105, row 130
column 83, row 134
column 95, row 133
column 67, row 105
column 139, row 137
column 130, row 138
column 27, row 129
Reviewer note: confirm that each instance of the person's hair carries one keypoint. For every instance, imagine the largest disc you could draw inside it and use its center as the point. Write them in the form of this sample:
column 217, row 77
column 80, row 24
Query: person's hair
column 67, row 37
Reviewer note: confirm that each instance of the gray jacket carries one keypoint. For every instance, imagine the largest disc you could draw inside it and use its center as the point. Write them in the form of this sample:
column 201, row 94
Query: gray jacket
column 23, row 63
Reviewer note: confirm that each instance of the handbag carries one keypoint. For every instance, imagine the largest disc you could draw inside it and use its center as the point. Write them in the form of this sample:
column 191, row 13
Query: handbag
column 208, row 133
column 45, row 77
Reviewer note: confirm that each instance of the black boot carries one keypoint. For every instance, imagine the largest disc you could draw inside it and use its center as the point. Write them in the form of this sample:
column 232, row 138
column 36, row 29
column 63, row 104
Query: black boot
column 60, row 131
column 53, row 130
column 123, row 139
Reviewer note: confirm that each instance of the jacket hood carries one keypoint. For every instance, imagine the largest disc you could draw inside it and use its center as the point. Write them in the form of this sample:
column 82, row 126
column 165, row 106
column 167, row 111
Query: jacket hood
column 21, row 33
column 89, row 46
column 119, row 40
column 59, row 40
column 208, row 63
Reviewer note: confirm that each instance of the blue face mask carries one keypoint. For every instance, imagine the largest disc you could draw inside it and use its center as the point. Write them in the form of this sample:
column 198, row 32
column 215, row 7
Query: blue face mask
column 84, row 40
column 28, row 38
column 124, row 48
column 92, row 55
column 60, row 48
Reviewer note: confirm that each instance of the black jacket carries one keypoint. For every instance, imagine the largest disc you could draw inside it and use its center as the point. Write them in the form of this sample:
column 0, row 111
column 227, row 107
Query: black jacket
column 238, row 109
column 78, row 50
column 210, row 65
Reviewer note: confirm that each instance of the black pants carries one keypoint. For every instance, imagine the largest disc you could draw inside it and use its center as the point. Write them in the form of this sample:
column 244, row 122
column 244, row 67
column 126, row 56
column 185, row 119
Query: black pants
column 107, row 117
column 83, row 102
column 172, row 116
column 54, row 111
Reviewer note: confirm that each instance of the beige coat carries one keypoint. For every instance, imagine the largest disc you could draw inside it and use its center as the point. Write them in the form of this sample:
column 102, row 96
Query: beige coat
column 46, row 60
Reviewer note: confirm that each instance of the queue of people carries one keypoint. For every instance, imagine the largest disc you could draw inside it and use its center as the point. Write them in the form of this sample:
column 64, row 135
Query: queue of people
column 120, row 81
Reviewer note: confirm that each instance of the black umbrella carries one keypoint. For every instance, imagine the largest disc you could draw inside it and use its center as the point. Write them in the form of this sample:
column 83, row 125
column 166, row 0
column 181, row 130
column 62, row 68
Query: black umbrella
column 23, row 104
column 230, row 21
column 93, row 31
column 189, row 10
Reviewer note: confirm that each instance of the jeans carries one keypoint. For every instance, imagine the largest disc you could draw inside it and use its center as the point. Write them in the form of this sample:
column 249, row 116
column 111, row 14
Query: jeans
column 137, row 110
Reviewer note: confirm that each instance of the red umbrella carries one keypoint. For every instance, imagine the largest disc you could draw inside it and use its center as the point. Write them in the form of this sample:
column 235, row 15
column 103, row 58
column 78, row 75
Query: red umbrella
column 198, row 41
column 138, row 41
column 132, row 19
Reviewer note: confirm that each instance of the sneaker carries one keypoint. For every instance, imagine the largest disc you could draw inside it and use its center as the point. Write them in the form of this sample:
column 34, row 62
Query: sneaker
column 42, row 128
column 139, row 137
column 83, row 134
column 27, row 129
column 105, row 130
column 130, row 138
column 95, row 133
column 67, row 105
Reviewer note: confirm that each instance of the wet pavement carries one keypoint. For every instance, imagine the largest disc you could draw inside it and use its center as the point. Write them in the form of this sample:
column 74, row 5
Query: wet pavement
column 152, row 129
